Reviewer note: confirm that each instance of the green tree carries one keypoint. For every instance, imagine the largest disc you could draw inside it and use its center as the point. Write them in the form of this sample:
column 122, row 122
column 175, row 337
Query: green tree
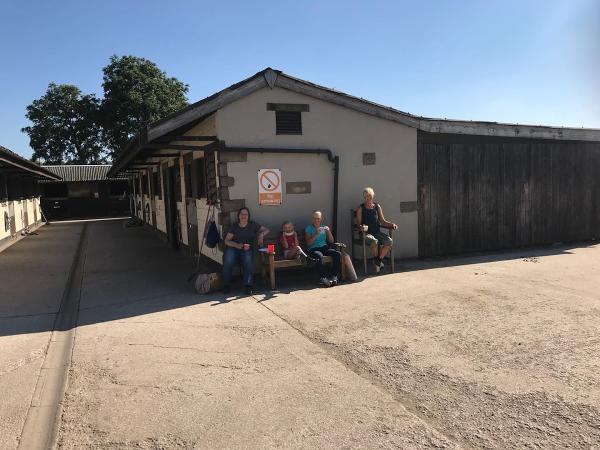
column 136, row 92
column 64, row 127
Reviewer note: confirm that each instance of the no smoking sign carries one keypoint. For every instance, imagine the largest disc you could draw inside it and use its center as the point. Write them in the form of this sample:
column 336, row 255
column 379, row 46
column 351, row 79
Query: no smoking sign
column 269, row 187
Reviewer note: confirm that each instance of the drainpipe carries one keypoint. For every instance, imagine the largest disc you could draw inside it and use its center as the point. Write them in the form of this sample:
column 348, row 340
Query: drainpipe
column 336, row 176
column 334, row 159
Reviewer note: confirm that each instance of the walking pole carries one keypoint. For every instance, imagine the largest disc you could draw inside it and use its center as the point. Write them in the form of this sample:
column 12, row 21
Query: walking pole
column 44, row 217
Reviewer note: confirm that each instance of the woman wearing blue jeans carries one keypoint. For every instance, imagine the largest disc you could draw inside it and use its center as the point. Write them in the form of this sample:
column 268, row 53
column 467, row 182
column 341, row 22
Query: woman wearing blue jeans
column 238, row 247
column 318, row 239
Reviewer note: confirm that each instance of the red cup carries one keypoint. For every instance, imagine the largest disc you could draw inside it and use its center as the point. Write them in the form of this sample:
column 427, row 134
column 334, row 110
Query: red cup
column 271, row 248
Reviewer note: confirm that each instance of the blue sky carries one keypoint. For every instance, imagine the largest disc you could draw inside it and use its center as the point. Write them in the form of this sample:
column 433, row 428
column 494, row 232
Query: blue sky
column 528, row 61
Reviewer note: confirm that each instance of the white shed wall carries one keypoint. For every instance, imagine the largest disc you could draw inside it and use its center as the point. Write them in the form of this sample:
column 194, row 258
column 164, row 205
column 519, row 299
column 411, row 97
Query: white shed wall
column 348, row 134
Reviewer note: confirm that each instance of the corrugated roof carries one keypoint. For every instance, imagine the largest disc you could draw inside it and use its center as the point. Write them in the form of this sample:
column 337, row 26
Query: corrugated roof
column 80, row 172
column 8, row 158
column 275, row 78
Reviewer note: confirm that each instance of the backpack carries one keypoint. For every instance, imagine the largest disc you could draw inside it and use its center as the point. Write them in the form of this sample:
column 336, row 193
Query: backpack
column 212, row 233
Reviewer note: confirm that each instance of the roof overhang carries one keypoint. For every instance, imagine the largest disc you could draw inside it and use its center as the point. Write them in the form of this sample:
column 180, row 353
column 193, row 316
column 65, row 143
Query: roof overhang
column 18, row 164
column 165, row 128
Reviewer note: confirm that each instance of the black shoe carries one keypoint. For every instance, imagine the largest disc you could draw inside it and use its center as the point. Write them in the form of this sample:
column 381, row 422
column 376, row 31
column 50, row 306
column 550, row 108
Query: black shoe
column 311, row 261
column 248, row 289
column 334, row 281
column 226, row 289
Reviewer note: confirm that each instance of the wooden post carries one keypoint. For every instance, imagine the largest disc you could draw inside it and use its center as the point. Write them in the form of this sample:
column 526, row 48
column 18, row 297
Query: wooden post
column 263, row 272
column 392, row 249
column 272, row 270
column 364, row 250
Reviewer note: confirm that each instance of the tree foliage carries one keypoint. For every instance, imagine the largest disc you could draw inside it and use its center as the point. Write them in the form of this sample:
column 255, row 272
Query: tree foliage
column 65, row 127
column 68, row 127
column 136, row 92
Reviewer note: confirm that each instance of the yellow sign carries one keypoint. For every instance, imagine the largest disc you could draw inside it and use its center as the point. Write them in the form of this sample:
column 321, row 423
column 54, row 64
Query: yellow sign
column 269, row 187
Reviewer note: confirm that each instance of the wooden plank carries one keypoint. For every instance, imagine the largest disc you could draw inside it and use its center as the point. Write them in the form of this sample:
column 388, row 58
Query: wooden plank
column 168, row 139
column 293, row 107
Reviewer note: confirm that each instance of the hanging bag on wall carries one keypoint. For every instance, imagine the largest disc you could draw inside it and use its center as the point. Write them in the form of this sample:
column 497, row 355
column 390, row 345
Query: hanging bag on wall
column 212, row 233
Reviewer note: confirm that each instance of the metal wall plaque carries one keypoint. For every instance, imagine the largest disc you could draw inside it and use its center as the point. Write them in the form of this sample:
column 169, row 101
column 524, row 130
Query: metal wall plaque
column 297, row 187
column 406, row 207
column 368, row 159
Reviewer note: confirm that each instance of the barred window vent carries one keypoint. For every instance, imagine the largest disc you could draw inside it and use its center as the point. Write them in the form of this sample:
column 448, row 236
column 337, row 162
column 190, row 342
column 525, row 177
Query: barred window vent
column 288, row 122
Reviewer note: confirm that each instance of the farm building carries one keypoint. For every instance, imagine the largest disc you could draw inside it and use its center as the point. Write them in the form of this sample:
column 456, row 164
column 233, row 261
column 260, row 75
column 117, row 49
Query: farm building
column 451, row 186
column 19, row 193
column 84, row 191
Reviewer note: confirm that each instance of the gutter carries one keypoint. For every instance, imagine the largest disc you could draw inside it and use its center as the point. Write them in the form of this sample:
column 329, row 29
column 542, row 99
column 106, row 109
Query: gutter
column 334, row 159
column 30, row 170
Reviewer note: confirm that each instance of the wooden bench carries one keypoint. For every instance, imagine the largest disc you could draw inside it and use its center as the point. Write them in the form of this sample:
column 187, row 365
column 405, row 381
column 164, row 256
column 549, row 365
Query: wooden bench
column 270, row 263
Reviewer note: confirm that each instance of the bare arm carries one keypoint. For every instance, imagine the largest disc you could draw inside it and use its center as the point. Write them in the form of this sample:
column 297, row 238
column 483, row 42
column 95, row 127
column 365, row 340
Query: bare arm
column 262, row 232
column 359, row 223
column 310, row 238
column 329, row 235
column 383, row 221
column 229, row 242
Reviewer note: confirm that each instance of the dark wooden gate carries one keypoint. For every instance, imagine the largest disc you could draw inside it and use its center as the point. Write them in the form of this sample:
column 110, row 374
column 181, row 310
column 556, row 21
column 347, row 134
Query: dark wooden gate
column 478, row 193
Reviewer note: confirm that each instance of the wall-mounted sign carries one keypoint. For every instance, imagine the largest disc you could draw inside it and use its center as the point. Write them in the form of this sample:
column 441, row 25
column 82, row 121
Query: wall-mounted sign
column 269, row 187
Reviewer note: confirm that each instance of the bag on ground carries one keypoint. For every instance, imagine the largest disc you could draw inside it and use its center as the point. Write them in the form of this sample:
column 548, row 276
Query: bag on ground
column 350, row 272
column 208, row 282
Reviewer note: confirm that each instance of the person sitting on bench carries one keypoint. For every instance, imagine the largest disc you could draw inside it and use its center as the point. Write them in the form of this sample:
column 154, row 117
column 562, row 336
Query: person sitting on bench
column 370, row 219
column 289, row 242
column 238, row 247
column 317, row 238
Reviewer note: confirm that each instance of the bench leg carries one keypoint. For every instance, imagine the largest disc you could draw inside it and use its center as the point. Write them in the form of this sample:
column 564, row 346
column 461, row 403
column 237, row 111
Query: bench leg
column 364, row 251
column 263, row 272
column 272, row 271
column 392, row 251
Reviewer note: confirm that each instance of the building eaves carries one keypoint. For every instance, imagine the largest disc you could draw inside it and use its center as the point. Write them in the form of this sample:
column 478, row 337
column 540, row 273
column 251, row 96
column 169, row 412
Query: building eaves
column 10, row 158
column 271, row 78
column 82, row 172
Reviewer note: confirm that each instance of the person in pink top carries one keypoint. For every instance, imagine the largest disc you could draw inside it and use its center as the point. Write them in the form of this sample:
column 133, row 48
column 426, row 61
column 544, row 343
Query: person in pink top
column 289, row 242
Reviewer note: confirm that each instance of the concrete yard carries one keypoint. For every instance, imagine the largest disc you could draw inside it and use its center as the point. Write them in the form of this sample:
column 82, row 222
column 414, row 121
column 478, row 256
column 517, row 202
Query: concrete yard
column 488, row 351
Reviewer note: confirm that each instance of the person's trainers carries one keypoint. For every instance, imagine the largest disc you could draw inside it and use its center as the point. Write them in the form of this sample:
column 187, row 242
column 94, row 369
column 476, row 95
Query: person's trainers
column 248, row 290
column 325, row 282
column 377, row 266
column 334, row 281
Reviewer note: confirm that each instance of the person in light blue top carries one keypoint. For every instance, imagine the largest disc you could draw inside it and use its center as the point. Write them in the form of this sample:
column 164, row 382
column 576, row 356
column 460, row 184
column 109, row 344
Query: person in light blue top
column 317, row 238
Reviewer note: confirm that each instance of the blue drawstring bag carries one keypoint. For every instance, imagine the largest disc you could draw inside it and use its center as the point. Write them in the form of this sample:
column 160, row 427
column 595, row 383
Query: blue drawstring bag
column 212, row 234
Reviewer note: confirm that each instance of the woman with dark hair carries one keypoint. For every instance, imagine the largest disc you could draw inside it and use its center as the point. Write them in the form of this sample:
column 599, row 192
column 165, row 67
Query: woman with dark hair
column 238, row 247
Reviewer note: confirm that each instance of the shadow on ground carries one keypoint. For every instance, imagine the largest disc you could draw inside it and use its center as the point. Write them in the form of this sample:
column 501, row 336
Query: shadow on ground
column 130, row 272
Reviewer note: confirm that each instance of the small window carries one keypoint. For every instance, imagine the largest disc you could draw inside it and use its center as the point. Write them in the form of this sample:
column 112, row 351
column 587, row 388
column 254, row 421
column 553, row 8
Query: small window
column 55, row 190
column 3, row 193
column 200, row 169
column 145, row 184
column 288, row 122
column 118, row 188
column 177, row 181
column 187, row 179
column 156, row 187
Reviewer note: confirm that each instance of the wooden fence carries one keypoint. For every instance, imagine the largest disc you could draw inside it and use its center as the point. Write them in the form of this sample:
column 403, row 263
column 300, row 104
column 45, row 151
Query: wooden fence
column 478, row 193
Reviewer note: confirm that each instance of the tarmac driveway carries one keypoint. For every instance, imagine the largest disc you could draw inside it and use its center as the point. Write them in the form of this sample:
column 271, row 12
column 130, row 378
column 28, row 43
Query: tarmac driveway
column 33, row 275
column 495, row 351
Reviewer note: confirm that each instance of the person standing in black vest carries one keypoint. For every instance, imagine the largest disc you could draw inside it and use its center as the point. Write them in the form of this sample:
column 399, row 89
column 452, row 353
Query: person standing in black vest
column 370, row 219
